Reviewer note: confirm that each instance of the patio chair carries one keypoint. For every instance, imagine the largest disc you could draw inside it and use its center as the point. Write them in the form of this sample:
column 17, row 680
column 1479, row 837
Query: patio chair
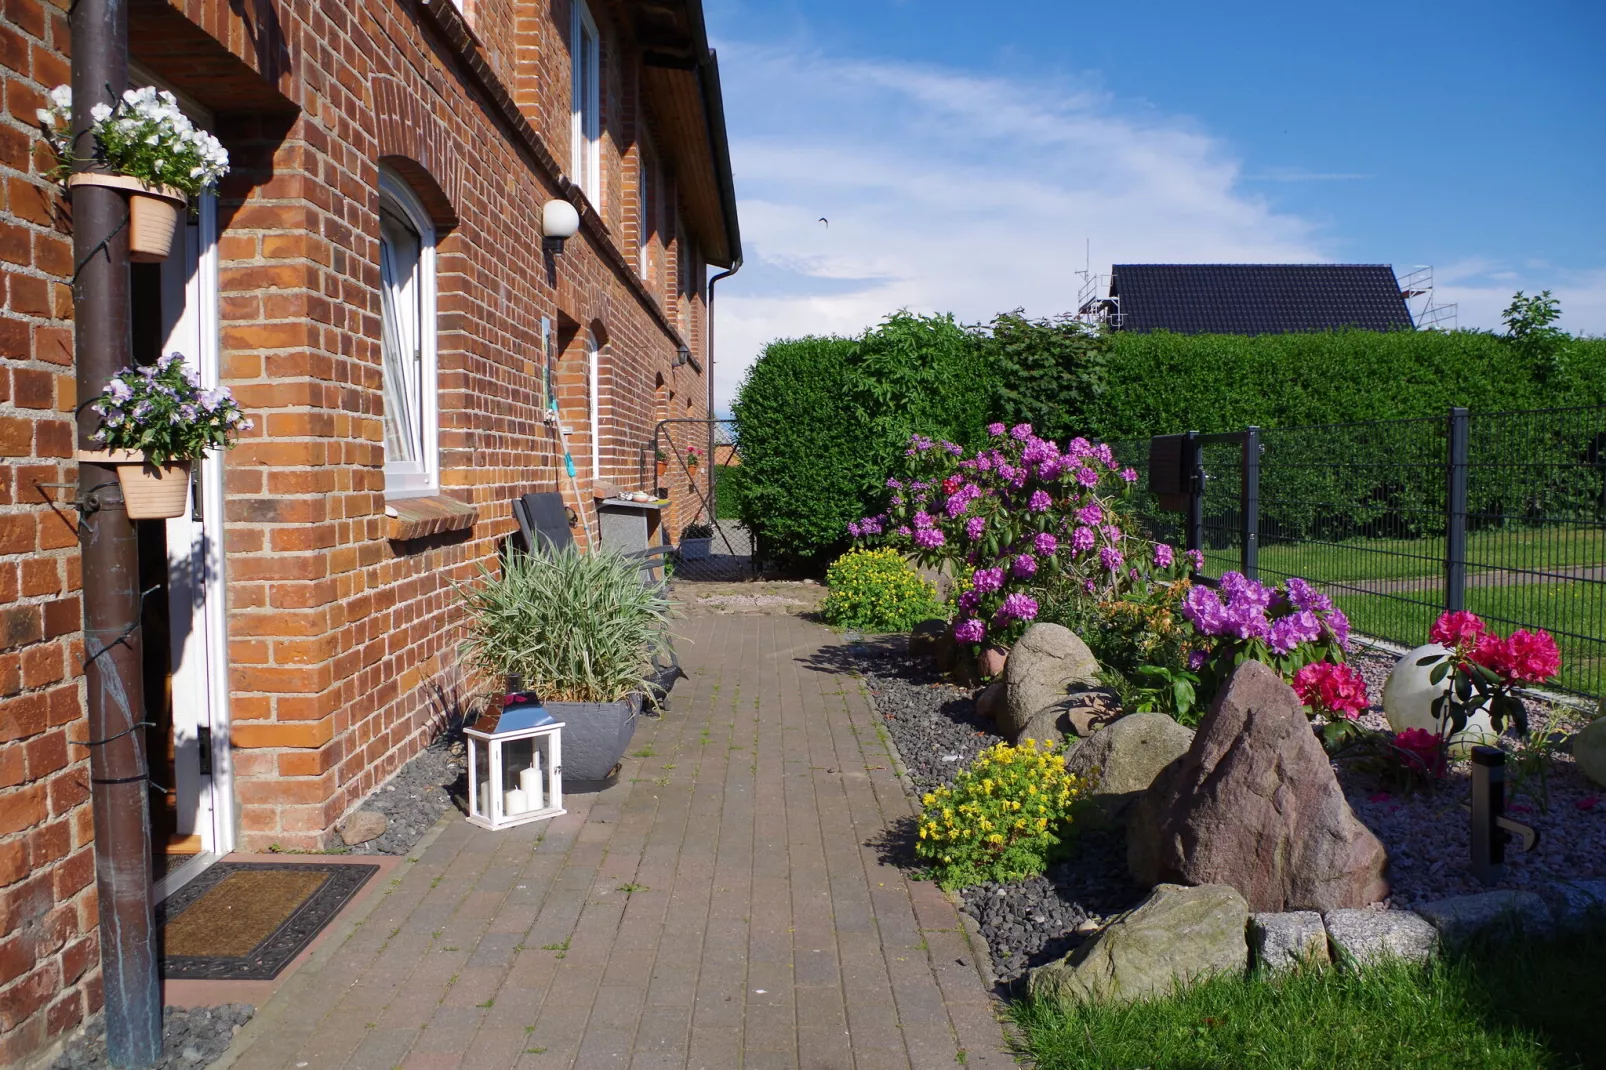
column 543, row 522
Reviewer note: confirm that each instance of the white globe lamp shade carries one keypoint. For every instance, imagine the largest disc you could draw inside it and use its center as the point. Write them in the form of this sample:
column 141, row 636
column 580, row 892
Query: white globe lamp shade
column 559, row 221
column 1408, row 700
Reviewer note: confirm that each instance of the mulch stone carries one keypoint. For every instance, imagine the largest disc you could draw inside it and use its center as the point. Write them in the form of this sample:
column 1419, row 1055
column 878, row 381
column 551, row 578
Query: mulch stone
column 191, row 1038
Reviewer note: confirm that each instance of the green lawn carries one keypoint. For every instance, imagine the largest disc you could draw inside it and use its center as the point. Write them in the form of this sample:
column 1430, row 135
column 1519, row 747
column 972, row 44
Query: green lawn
column 1537, row 1004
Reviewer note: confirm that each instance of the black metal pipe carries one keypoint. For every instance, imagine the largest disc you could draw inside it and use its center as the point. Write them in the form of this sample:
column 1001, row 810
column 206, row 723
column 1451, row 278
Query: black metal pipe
column 713, row 488
column 117, row 748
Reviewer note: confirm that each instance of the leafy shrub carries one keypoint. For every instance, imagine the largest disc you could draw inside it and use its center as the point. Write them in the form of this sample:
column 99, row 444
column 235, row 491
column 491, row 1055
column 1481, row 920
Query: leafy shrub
column 1006, row 816
column 577, row 627
column 1023, row 515
column 697, row 530
column 1049, row 371
column 820, row 422
column 878, row 591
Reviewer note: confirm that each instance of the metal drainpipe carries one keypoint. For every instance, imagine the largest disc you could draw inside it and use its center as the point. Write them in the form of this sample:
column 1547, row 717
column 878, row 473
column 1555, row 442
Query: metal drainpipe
column 119, row 776
column 713, row 481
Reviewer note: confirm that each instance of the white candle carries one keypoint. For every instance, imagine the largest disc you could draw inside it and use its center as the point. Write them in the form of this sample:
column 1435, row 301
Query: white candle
column 514, row 803
column 485, row 799
column 530, row 784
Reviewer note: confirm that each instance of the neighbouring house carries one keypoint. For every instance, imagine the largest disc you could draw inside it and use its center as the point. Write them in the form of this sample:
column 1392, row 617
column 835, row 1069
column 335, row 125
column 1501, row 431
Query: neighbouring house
column 1251, row 298
column 371, row 282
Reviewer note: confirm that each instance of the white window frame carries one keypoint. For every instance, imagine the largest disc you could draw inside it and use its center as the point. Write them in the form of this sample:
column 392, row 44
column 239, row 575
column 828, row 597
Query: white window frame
column 585, row 102
column 647, row 167
column 421, row 478
column 593, row 403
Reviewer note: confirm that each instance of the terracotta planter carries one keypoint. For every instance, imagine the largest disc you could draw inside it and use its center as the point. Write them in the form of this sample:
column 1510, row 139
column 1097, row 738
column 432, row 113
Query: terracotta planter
column 153, row 213
column 150, row 491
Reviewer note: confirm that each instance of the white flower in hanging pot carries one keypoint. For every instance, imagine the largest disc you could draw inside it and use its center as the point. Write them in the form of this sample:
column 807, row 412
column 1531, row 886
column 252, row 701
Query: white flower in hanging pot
column 156, row 421
column 151, row 150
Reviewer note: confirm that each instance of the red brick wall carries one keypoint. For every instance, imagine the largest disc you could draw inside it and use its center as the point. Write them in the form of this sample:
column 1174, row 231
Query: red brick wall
column 340, row 637
column 49, row 961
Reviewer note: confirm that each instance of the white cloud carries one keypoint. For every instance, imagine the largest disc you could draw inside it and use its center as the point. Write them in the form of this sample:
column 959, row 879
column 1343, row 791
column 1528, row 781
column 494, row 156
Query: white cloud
column 949, row 191
column 946, row 191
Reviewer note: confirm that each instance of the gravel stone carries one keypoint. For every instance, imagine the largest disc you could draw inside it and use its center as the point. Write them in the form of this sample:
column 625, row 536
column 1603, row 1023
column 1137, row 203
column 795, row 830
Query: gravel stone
column 415, row 798
column 192, row 1037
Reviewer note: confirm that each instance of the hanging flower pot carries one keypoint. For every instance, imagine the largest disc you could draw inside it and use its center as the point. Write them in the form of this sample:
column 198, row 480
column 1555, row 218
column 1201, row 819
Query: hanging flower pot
column 150, row 491
column 155, row 421
column 153, row 213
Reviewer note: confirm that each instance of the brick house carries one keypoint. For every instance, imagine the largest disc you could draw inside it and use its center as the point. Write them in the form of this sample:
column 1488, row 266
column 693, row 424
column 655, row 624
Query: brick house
column 372, row 285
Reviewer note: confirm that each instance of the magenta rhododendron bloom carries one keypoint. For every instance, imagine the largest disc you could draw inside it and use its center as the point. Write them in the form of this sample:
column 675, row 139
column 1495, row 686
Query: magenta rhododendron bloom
column 1196, row 558
column 1163, row 555
column 1331, row 690
column 1017, row 606
column 1087, row 477
column 974, row 527
column 1020, row 432
column 1304, row 596
column 929, row 538
column 1111, row 558
column 1024, row 567
column 970, row 630
column 1082, row 540
column 1420, row 752
column 1458, row 631
column 987, row 579
column 1090, row 515
column 1045, row 543
column 995, row 429
column 1039, row 501
column 1129, row 475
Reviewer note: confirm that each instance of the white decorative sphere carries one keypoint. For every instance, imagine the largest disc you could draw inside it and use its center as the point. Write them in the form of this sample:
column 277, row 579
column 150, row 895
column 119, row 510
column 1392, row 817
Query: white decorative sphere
column 1408, row 700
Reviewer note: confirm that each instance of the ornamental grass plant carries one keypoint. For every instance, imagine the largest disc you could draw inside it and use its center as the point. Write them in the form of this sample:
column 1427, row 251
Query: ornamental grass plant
column 877, row 591
column 577, row 627
column 1004, row 818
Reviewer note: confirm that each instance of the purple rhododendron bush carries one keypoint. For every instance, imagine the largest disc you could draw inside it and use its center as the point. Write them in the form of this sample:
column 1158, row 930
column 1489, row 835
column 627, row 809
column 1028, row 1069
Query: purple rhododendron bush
column 1016, row 517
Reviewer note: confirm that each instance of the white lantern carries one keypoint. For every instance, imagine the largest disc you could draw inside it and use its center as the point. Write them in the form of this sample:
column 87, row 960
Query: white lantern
column 515, row 765
column 1408, row 700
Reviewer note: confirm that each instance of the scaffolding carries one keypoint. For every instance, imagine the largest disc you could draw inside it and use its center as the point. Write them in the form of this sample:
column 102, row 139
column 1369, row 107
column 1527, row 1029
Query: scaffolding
column 1416, row 286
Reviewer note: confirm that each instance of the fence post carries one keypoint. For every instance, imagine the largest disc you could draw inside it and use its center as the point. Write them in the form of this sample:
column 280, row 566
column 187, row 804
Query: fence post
column 1250, row 504
column 1455, row 513
column 1193, row 464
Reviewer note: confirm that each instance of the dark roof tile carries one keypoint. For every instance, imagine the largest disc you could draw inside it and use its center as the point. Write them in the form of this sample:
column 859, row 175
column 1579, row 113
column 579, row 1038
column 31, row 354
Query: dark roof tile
column 1258, row 298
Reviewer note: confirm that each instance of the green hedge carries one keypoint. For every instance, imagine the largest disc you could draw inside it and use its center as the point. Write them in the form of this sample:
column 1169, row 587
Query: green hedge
column 821, row 422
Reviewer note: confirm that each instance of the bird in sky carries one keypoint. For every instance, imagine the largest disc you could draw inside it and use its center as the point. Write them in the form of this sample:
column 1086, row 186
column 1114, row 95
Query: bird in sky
column 826, row 221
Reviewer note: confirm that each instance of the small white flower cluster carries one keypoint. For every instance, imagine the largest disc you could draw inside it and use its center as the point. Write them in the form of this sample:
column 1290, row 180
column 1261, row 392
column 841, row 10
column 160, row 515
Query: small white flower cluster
column 146, row 136
column 162, row 411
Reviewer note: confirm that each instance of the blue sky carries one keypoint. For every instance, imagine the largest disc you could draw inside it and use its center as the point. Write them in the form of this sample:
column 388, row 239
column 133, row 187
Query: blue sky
column 966, row 153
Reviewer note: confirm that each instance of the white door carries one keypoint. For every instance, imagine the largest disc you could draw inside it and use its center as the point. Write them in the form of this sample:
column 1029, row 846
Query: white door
column 198, row 642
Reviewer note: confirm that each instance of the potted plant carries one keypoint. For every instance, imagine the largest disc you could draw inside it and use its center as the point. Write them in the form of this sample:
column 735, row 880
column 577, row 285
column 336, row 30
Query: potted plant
column 155, row 422
column 580, row 631
column 694, row 457
column 696, row 541
column 663, row 464
column 145, row 146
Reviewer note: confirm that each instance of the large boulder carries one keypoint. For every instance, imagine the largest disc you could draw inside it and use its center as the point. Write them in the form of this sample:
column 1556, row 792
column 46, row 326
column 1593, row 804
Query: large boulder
column 1127, row 755
column 1176, row 934
column 1042, row 668
column 1254, row 804
column 925, row 636
column 1589, row 750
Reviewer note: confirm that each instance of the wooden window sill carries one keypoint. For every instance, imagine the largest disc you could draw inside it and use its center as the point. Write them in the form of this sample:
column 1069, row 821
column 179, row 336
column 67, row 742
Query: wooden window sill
column 418, row 518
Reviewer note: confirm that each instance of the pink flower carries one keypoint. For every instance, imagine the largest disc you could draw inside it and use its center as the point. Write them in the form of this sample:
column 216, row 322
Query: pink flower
column 970, row 630
column 1020, row 432
column 1420, row 752
column 1024, row 567
column 1039, row 501
column 1331, row 690
column 1534, row 656
column 1087, row 477
column 1587, row 803
column 929, row 538
column 1130, row 475
column 1045, row 543
column 1457, row 630
column 1163, row 555
column 1197, row 557
column 974, row 527
column 1090, row 514
column 1111, row 558
column 1082, row 540
column 987, row 579
column 995, row 429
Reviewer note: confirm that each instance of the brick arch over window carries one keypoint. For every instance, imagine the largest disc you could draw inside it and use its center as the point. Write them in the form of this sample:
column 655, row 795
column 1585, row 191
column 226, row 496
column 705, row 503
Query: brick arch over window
column 416, row 145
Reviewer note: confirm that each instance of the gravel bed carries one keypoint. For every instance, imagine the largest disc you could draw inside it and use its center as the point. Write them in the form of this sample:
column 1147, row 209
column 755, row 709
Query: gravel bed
column 191, row 1038
column 1426, row 830
column 415, row 798
column 938, row 733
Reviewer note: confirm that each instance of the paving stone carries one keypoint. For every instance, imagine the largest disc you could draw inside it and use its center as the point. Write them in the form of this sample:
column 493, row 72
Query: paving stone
column 1465, row 916
column 754, row 873
column 1281, row 941
column 1369, row 935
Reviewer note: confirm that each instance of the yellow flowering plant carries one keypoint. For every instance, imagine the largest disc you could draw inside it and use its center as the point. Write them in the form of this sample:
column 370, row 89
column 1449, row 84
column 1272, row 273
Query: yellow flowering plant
column 878, row 591
column 1004, row 818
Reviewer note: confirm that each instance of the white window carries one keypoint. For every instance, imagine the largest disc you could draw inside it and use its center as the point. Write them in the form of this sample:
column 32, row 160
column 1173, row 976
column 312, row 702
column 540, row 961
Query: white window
column 647, row 197
column 586, row 103
column 595, row 409
column 407, row 324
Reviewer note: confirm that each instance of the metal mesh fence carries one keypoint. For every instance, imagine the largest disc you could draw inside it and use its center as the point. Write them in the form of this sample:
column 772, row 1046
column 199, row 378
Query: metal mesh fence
column 1500, row 513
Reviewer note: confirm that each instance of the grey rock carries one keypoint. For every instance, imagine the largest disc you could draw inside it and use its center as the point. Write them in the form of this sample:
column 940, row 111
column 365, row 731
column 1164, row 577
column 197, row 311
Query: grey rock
column 1368, row 936
column 1089, row 709
column 1127, row 757
column 1283, row 941
column 363, row 826
column 1049, row 726
column 1571, row 900
column 1043, row 666
column 1467, row 915
column 1176, row 934
column 923, row 638
column 990, row 701
column 1589, row 750
column 1254, row 804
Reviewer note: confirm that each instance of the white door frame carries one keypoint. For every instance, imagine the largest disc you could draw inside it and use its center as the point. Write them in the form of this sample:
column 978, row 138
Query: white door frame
column 196, row 591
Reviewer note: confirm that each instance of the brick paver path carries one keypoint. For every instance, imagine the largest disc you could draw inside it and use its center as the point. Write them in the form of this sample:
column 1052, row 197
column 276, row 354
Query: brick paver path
column 719, row 907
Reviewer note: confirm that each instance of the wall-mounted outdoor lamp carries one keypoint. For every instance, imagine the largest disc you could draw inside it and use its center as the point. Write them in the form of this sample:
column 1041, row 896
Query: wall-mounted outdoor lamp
column 683, row 356
column 559, row 222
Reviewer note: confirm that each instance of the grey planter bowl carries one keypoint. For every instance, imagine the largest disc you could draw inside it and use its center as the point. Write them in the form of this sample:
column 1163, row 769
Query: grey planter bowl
column 595, row 735
column 696, row 549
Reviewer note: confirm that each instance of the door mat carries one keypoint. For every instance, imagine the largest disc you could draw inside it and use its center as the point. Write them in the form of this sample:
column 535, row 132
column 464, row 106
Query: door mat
column 245, row 921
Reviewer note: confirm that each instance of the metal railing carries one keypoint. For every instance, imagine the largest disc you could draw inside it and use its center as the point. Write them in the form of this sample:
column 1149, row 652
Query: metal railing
column 1500, row 513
